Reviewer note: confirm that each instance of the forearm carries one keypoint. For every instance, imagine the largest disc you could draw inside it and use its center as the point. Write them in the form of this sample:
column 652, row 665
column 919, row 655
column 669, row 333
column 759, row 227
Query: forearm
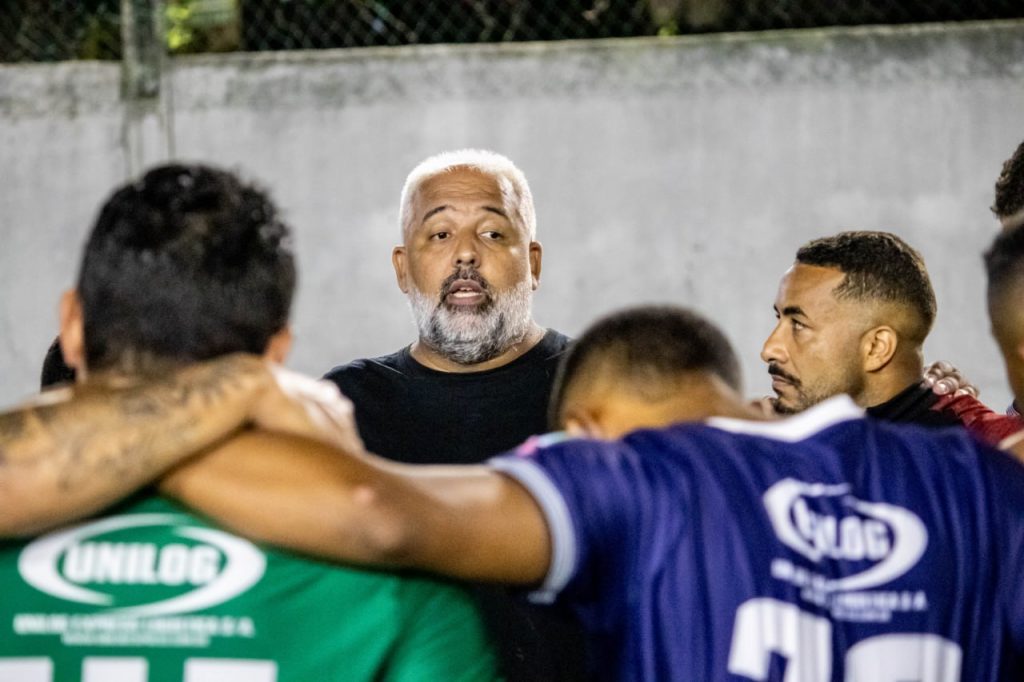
column 501, row 535
column 464, row 522
column 296, row 494
column 66, row 459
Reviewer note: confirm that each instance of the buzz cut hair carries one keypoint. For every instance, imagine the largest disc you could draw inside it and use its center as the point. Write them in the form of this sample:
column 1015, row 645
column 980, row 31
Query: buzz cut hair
column 1009, row 199
column 647, row 348
column 879, row 266
column 511, row 181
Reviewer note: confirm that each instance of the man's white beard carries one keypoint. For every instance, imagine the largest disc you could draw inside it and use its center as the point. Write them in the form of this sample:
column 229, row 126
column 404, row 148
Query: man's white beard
column 477, row 335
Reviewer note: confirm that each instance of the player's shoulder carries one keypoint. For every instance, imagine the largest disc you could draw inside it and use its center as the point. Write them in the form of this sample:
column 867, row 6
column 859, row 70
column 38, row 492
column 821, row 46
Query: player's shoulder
column 555, row 342
column 838, row 413
column 1005, row 471
column 697, row 438
column 953, row 446
column 839, row 423
column 947, row 453
column 559, row 455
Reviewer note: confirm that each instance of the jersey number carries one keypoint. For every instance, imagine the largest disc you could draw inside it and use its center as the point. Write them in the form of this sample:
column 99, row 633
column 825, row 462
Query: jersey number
column 132, row 669
column 768, row 626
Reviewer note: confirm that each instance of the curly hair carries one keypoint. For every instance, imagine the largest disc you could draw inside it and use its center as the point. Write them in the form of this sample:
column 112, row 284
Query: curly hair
column 1009, row 202
column 186, row 263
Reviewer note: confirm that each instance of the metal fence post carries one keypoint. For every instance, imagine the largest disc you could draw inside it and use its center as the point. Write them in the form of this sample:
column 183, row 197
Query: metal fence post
column 147, row 137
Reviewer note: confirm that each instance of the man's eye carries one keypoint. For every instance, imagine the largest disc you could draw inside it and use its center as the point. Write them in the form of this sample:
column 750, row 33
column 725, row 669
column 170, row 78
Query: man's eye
column 439, row 235
column 798, row 325
column 491, row 234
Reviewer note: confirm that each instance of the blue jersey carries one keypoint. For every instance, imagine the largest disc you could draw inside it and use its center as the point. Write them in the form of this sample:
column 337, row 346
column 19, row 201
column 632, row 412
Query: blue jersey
column 822, row 548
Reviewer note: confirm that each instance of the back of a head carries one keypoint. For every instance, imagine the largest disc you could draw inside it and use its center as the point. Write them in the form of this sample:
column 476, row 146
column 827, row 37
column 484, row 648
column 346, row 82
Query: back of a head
column 510, row 179
column 1004, row 266
column 880, row 268
column 186, row 263
column 1009, row 199
column 646, row 348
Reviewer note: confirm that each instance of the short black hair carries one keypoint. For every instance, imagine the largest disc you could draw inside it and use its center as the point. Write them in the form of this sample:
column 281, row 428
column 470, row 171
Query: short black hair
column 1004, row 262
column 186, row 263
column 1010, row 186
column 648, row 344
column 879, row 266
column 55, row 371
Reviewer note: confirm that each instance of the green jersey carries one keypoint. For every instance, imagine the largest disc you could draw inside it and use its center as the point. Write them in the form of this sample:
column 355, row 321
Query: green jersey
column 151, row 593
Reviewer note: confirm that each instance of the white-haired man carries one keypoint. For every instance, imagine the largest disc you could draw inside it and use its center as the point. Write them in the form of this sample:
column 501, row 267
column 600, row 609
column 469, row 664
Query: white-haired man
column 477, row 380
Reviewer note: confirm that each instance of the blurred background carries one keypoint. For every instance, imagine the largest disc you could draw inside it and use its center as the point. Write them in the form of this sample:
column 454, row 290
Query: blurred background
column 678, row 150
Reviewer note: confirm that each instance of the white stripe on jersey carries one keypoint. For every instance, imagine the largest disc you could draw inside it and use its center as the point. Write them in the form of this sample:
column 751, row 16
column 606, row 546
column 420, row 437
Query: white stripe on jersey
column 556, row 513
column 798, row 427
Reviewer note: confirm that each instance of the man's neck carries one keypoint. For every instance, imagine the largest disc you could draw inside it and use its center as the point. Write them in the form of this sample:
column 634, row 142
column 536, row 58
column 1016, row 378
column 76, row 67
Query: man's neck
column 430, row 358
column 121, row 378
column 886, row 385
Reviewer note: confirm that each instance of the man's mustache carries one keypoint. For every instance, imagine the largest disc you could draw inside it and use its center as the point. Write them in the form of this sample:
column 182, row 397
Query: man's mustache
column 775, row 371
column 464, row 274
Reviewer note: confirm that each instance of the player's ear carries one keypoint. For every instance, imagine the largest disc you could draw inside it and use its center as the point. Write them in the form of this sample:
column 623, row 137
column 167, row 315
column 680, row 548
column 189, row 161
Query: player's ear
column 878, row 346
column 536, row 254
column 399, row 260
column 72, row 331
column 279, row 345
column 581, row 424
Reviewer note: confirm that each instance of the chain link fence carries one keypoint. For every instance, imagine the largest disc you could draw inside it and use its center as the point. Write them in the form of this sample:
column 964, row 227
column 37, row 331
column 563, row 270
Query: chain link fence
column 52, row 30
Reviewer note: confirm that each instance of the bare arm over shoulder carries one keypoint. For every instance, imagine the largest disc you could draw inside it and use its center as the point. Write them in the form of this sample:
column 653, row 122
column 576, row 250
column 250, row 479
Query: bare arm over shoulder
column 462, row 521
column 71, row 453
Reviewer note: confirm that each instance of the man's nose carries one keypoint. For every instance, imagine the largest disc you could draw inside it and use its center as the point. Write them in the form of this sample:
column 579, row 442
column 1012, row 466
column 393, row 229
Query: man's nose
column 466, row 253
column 773, row 349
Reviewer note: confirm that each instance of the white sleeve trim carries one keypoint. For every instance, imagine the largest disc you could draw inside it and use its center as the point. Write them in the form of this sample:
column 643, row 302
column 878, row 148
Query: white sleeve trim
column 559, row 522
column 798, row 427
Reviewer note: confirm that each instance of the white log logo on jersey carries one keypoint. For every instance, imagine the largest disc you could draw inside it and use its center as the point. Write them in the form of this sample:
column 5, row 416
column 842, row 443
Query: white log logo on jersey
column 195, row 566
column 892, row 536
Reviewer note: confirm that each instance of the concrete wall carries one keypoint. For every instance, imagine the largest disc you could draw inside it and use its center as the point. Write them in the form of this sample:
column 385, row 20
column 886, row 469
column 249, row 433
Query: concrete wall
column 684, row 170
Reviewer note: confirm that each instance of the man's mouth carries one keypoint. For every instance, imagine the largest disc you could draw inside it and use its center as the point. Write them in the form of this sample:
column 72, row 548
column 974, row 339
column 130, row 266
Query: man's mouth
column 464, row 290
column 781, row 379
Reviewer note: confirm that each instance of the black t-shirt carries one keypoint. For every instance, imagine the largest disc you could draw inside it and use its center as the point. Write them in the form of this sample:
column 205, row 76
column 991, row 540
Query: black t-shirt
column 410, row 413
column 914, row 405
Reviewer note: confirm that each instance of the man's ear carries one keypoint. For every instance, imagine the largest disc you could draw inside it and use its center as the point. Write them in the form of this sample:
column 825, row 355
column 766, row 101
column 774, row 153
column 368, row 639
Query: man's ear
column 400, row 261
column 279, row 345
column 72, row 331
column 582, row 424
column 536, row 253
column 878, row 346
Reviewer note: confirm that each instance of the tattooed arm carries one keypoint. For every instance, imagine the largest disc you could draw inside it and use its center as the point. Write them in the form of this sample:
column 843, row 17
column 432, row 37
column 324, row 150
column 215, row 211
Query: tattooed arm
column 71, row 453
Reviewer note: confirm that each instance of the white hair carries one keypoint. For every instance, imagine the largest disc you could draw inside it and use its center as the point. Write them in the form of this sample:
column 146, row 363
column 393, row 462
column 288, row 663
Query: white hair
column 511, row 181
